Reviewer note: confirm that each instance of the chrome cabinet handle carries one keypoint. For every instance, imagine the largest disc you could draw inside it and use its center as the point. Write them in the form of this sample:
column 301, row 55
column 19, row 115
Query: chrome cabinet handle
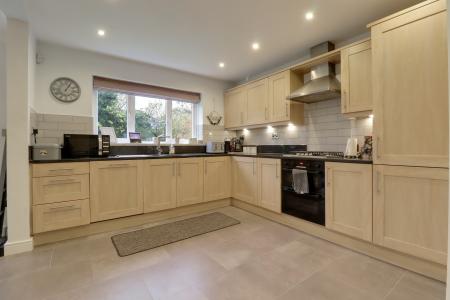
column 265, row 113
column 378, row 182
column 173, row 169
column 378, row 146
column 118, row 165
column 242, row 117
column 60, row 170
column 206, row 168
column 61, row 181
column 179, row 170
column 276, row 171
column 64, row 208
column 344, row 100
column 287, row 112
column 253, row 167
column 328, row 177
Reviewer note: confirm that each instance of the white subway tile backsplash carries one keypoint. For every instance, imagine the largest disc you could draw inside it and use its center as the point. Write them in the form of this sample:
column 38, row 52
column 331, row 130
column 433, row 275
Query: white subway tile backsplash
column 325, row 129
column 53, row 127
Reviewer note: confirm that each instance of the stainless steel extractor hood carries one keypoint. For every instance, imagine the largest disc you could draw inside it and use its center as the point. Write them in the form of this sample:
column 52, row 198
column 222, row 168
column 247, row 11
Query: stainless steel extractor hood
column 323, row 84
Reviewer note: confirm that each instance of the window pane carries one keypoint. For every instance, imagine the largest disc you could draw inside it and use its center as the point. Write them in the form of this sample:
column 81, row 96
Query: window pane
column 182, row 119
column 112, row 111
column 150, row 117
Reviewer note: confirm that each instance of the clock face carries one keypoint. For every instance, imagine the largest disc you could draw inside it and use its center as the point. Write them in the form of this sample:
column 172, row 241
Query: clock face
column 65, row 89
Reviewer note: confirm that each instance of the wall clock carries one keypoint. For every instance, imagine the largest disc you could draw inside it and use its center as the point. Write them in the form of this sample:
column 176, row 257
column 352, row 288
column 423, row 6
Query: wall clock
column 65, row 89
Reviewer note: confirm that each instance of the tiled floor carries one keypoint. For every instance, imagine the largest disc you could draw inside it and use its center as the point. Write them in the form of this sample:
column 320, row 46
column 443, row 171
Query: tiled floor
column 257, row 259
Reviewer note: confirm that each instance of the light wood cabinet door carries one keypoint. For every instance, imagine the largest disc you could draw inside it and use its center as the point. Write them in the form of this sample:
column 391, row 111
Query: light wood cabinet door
column 60, row 188
column 356, row 78
column 411, row 210
column 279, row 89
column 245, row 179
column 234, row 104
column 348, row 199
column 269, row 184
column 54, row 216
column 189, row 181
column 60, row 169
column 217, row 184
column 160, row 184
column 257, row 108
column 410, row 88
column 116, row 189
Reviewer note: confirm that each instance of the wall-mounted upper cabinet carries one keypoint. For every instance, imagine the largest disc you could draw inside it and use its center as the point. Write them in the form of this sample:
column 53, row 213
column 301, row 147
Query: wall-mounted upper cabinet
column 410, row 87
column 263, row 102
column 234, row 103
column 356, row 80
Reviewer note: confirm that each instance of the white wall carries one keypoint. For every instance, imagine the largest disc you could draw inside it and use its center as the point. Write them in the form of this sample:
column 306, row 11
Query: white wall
column 2, row 81
column 81, row 65
column 18, row 66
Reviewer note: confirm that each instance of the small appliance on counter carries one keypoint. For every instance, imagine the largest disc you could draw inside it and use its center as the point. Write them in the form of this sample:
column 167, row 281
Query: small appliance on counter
column 85, row 145
column 46, row 152
column 215, row 147
column 135, row 137
column 227, row 146
column 237, row 144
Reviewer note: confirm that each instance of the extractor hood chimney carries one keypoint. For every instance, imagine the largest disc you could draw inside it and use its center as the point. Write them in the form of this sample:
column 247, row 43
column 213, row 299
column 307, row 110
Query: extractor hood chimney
column 323, row 84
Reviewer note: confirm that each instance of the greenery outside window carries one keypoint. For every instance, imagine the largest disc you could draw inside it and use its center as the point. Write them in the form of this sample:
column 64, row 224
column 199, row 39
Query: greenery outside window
column 151, row 116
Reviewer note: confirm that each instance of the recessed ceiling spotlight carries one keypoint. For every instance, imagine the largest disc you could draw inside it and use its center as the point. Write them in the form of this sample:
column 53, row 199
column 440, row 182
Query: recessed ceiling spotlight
column 309, row 16
column 101, row 32
column 255, row 46
column 222, row 65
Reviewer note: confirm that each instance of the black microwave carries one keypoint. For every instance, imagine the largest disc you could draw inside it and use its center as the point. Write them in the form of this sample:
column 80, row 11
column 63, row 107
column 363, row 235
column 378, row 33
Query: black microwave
column 85, row 145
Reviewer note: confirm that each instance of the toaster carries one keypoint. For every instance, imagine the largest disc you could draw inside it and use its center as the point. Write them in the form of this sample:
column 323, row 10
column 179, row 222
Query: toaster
column 215, row 147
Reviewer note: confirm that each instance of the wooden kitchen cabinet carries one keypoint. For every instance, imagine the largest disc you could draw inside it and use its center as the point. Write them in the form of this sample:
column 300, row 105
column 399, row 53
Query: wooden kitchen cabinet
column 269, row 184
column 280, row 86
column 160, row 184
column 189, row 181
column 234, row 104
column 53, row 189
column 411, row 210
column 54, row 216
column 348, row 199
column 245, row 179
column 217, row 183
column 356, row 79
column 116, row 189
column 410, row 87
column 256, row 105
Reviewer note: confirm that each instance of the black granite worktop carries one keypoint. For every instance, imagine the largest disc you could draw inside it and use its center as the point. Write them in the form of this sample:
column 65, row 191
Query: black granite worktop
column 188, row 155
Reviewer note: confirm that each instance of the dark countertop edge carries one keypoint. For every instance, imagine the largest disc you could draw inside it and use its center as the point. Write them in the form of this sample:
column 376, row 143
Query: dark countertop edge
column 280, row 156
column 188, row 155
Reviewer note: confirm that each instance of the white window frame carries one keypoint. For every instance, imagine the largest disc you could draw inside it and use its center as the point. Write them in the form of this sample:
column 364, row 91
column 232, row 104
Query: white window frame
column 131, row 116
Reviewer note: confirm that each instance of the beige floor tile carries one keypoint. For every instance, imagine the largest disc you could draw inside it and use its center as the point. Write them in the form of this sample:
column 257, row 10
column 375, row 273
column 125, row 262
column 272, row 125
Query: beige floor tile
column 415, row 287
column 371, row 275
column 323, row 286
column 40, row 284
column 114, row 266
column 325, row 247
column 19, row 264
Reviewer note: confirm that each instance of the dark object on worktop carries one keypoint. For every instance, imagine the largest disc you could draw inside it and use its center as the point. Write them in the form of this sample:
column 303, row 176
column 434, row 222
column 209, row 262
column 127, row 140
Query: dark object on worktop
column 135, row 137
column 227, row 146
column 283, row 149
column 366, row 151
column 85, row 145
column 309, row 206
column 237, row 144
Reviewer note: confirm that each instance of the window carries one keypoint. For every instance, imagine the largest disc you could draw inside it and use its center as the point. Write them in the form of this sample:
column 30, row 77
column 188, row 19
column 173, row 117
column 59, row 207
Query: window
column 151, row 116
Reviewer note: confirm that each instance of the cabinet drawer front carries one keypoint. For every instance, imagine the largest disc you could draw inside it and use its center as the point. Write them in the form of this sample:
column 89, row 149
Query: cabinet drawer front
column 58, row 169
column 48, row 217
column 60, row 188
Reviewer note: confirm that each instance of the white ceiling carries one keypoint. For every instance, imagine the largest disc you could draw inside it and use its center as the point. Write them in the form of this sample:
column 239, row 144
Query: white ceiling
column 194, row 35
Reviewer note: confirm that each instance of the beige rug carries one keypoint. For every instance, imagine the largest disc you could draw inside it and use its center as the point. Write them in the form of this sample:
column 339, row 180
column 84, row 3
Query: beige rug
column 145, row 239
